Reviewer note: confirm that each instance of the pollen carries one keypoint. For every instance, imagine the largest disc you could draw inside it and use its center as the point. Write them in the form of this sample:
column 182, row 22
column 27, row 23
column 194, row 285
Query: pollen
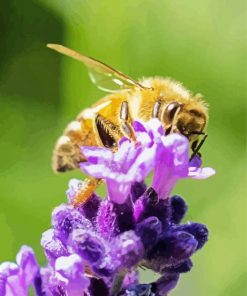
column 87, row 187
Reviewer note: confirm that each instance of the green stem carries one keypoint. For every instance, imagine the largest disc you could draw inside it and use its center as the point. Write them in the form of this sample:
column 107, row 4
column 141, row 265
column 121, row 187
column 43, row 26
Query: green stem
column 117, row 282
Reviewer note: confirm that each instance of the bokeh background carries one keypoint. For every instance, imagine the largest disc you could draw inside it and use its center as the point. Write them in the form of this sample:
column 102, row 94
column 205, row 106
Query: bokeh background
column 201, row 43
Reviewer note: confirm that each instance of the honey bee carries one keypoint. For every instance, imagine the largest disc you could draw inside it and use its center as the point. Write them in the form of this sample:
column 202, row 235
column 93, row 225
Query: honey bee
column 111, row 117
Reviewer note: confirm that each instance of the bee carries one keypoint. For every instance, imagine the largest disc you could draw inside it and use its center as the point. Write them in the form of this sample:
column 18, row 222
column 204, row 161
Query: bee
column 111, row 118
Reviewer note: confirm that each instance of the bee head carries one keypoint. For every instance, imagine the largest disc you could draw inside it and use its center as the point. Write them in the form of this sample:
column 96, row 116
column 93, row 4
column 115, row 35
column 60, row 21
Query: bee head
column 189, row 119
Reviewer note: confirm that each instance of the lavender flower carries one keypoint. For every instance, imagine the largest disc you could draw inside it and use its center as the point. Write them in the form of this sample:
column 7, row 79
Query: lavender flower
column 69, row 274
column 65, row 278
column 171, row 157
column 134, row 161
column 129, row 164
column 96, row 248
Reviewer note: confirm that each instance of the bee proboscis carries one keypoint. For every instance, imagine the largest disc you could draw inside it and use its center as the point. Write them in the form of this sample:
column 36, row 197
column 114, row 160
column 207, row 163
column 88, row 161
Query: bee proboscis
column 108, row 120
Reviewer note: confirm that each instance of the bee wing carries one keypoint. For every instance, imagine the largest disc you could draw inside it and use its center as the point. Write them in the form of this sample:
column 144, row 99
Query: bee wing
column 105, row 77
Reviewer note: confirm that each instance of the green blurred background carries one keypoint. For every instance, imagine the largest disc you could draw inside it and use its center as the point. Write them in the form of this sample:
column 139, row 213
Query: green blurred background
column 201, row 43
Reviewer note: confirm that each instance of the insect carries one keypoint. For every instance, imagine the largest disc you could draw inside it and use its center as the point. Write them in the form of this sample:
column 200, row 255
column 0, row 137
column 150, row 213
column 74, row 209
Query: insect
column 111, row 117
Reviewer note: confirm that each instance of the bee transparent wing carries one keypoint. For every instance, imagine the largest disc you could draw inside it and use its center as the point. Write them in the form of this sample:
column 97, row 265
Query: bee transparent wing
column 105, row 77
column 109, row 82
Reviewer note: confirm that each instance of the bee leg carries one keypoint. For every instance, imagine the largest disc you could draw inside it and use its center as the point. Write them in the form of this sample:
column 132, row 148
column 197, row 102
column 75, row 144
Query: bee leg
column 85, row 190
column 196, row 147
column 156, row 109
column 108, row 133
column 125, row 125
column 174, row 118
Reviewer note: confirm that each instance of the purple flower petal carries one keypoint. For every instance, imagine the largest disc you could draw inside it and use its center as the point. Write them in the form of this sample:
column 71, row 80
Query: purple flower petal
column 199, row 231
column 149, row 231
column 10, row 279
column 69, row 272
column 47, row 284
column 96, row 170
column 16, row 279
column 166, row 283
column 200, row 173
column 28, row 263
column 66, row 218
column 172, row 163
column 196, row 161
column 97, row 155
column 127, row 249
column 178, row 209
column 88, row 245
column 148, row 133
column 183, row 267
column 53, row 246
column 174, row 247
column 139, row 127
column 118, row 191
column 105, row 267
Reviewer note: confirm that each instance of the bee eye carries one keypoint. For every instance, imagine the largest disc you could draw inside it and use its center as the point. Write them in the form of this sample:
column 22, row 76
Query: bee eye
column 171, row 110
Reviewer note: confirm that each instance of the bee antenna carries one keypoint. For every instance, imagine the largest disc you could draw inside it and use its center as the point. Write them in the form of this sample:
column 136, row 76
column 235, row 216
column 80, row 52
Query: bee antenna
column 196, row 133
column 196, row 151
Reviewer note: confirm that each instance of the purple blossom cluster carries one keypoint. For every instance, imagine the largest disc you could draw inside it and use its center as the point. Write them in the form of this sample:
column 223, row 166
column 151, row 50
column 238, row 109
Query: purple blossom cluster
column 97, row 248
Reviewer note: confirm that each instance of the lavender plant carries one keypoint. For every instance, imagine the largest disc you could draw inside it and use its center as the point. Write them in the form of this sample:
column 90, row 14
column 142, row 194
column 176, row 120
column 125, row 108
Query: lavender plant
column 97, row 248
